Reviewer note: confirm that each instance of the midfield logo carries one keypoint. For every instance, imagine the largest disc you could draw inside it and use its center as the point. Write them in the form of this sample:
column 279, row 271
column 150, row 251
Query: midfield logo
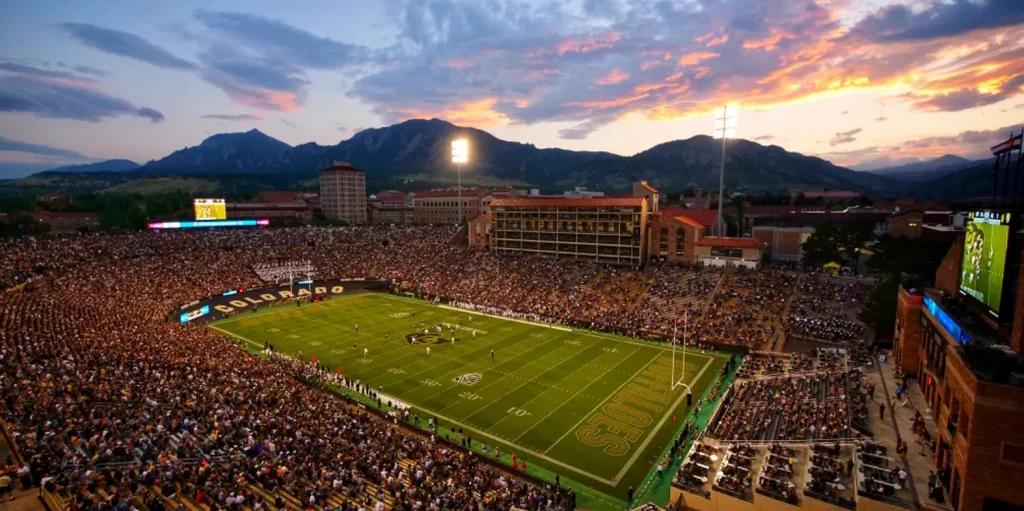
column 400, row 315
column 468, row 379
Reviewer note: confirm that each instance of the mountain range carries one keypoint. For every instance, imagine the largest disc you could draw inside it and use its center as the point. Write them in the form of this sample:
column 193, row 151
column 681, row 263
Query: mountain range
column 416, row 153
column 929, row 169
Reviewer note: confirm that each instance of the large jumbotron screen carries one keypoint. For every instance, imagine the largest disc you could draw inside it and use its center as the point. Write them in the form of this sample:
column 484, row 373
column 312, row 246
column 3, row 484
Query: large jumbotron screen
column 210, row 209
column 985, row 244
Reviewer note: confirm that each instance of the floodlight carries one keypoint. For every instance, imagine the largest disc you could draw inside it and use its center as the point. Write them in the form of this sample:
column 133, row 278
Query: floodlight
column 460, row 151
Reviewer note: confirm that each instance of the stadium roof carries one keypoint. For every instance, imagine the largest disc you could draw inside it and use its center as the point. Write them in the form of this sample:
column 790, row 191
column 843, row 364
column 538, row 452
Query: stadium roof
column 714, row 241
column 556, row 202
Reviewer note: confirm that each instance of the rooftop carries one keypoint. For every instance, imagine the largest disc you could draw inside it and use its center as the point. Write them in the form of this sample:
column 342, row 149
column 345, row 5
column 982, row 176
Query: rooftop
column 714, row 241
column 576, row 203
column 342, row 166
column 451, row 192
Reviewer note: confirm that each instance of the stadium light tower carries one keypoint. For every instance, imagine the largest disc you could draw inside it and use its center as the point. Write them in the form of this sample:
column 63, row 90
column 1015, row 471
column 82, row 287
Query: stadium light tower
column 460, row 155
column 725, row 128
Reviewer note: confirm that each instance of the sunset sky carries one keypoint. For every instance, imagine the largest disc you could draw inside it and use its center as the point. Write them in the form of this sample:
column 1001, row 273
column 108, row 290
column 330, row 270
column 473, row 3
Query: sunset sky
column 853, row 81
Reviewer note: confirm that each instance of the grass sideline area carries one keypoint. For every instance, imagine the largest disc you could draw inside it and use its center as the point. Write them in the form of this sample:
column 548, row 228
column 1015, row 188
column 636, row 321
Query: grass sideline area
column 594, row 408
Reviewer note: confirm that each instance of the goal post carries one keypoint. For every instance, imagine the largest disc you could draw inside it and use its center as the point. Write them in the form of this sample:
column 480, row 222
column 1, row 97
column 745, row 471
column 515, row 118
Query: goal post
column 681, row 382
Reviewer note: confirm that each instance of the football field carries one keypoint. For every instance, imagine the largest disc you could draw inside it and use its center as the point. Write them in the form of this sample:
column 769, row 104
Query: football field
column 597, row 409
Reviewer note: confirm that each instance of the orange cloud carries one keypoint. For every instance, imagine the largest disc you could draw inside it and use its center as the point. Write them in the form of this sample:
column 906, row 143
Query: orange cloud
column 692, row 59
column 458, row 63
column 650, row 64
column 608, row 103
column 769, row 43
column 614, row 76
column 478, row 114
column 588, row 44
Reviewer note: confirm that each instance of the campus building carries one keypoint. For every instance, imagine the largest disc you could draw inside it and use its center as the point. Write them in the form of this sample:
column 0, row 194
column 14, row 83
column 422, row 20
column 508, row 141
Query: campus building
column 343, row 193
column 969, row 369
column 441, row 206
column 606, row 230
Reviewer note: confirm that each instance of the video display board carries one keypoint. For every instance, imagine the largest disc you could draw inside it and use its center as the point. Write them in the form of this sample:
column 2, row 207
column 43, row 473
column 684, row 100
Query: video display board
column 210, row 209
column 982, row 272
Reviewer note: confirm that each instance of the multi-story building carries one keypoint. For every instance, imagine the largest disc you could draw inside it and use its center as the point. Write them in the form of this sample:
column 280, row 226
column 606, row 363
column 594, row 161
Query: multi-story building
column 391, row 207
column 970, row 370
column 441, row 206
column 299, row 211
column 608, row 230
column 343, row 193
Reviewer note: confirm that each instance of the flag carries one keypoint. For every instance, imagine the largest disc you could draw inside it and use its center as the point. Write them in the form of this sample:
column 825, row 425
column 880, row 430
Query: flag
column 1005, row 147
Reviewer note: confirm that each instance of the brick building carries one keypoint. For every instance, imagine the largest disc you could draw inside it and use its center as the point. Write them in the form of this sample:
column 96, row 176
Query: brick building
column 971, row 372
column 64, row 222
column 783, row 243
column 673, row 233
column 391, row 207
column 441, row 206
column 913, row 223
column 742, row 252
column 607, row 230
column 343, row 193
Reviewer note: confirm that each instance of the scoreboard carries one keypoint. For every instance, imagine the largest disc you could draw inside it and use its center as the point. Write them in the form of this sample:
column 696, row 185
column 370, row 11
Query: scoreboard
column 210, row 209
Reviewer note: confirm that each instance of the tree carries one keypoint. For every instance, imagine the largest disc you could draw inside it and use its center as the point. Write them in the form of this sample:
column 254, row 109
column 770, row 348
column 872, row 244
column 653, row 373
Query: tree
column 823, row 246
column 893, row 257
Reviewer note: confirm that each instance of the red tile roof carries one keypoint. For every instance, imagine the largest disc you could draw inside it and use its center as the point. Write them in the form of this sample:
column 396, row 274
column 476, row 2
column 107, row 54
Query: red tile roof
column 451, row 192
column 593, row 202
column 689, row 221
column 833, row 194
column 714, row 241
column 342, row 166
column 648, row 187
column 704, row 217
column 280, row 195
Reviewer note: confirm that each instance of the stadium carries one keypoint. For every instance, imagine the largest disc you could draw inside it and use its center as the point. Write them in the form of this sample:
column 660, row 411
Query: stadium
column 307, row 367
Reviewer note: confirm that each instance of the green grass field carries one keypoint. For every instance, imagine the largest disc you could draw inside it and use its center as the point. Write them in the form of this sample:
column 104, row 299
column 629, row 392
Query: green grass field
column 596, row 409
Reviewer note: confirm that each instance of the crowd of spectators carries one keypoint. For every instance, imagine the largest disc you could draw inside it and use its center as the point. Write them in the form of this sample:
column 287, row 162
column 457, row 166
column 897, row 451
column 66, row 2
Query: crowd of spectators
column 747, row 308
column 94, row 376
column 804, row 407
column 114, row 407
column 825, row 308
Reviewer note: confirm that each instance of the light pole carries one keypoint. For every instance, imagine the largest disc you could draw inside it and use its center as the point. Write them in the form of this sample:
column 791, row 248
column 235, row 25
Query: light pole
column 725, row 128
column 460, row 155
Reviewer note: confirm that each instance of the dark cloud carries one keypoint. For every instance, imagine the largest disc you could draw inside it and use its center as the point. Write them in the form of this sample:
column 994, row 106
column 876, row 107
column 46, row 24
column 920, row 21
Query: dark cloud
column 233, row 117
column 844, row 137
column 125, row 45
column 65, row 99
column 764, row 137
column 254, row 82
column 26, row 70
column 845, row 112
column 7, row 144
column 881, row 119
column 966, row 98
column 288, row 123
column 982, row 138
column 940, row 19
column 278, row 41
column 580, row 131
column 90, row 71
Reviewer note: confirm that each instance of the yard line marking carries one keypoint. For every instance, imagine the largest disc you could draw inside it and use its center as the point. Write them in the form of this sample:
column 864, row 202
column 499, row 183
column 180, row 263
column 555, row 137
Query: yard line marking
column 496, row 438
column 250, row 341
column 591, row 412
column 650, row 436
column 577, row 393
column 547, row 387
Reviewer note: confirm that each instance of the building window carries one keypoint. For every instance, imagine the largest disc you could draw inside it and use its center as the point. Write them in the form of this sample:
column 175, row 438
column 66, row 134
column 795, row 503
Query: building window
column 680, row 241
column 663, row 240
